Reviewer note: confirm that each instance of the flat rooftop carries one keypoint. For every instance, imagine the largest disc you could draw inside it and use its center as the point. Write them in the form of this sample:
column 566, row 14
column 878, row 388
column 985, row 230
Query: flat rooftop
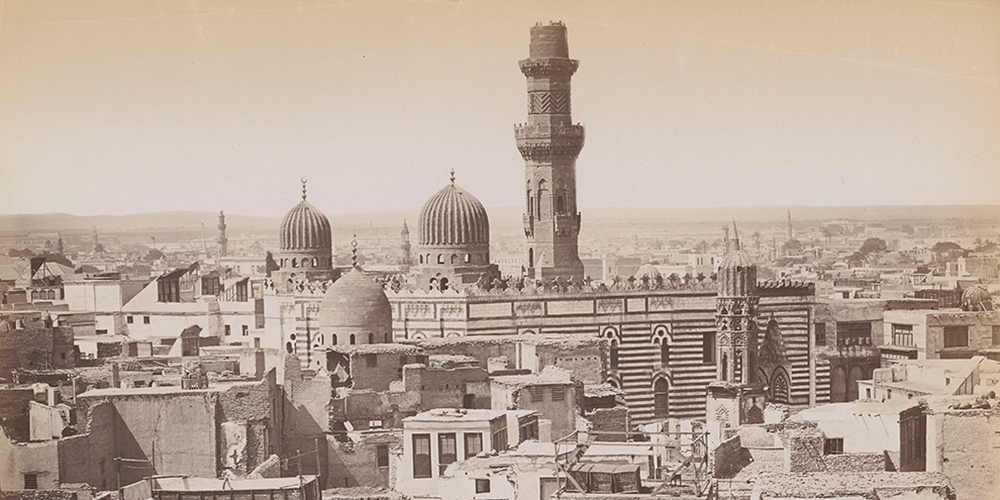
column 463, row 415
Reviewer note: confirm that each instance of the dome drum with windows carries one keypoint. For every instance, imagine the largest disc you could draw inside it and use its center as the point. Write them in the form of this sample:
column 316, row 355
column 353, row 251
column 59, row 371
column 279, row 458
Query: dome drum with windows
column 453, row 241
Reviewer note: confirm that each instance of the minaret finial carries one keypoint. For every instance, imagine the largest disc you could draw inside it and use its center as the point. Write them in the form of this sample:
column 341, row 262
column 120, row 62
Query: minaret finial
column 354, row 251
column 452, row 176
column 304, row 180
column 736, row 234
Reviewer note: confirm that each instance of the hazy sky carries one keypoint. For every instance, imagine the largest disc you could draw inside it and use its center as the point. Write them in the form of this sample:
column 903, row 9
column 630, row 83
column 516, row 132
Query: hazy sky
column 110, row 107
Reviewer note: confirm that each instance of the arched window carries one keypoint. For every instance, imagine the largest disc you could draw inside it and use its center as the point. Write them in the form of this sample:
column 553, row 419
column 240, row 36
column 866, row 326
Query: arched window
column 352, row 340
column 560, row 205
column 611, row 334
column 333, row 339
column 479, row 259
column 660, row 337
column 295, row 262
column 315, row 262
column 530, row 207
column 779, row 387
column 661, row 398
column 454, row 259
column 440, row 258
column 421, row 259
column 288, row 347
column 371, row 338
column 385, row 338
column 664, row 352
column 725, row 367
column 468, row 258
column 531, row 257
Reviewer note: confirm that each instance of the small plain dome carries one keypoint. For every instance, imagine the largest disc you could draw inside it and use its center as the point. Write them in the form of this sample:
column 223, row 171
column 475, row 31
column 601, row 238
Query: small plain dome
column 356, row 304
column 453, row 217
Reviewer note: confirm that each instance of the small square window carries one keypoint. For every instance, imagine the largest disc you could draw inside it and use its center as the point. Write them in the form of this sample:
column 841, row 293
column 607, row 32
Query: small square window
column 128, row 319
column 482, row 485
column 229, row 330
column 536, row 394
column 956, row 336
column 145, row 320
column 833, row 446
column 558, row 393
column 246, row 330
column 31, row 481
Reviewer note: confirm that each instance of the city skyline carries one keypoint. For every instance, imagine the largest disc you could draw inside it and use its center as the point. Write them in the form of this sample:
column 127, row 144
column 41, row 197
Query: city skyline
column 183, row 107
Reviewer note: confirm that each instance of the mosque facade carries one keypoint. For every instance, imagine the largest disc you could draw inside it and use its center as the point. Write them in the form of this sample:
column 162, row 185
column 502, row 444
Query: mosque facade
column 663, row 337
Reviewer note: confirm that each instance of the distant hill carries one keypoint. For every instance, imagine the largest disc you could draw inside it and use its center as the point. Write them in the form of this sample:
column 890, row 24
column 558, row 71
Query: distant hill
column 500, row 217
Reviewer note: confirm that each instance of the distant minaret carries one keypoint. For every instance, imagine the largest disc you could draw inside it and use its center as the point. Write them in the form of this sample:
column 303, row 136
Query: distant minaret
column 59, row 244
column 404, row 243
column 222, row 240
column 549, row 143
column 791, row 233
column 98, row 247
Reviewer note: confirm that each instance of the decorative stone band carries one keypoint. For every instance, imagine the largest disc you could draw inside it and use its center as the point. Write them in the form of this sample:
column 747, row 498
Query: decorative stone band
column 553, row 148
column 536, row 68
column 524, row 131
column 548, row 103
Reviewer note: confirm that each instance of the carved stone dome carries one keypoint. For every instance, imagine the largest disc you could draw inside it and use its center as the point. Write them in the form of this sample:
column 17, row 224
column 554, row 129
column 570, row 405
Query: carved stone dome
column 305, row 228
column 977, row 298
column 453, row 217
column 355, row 305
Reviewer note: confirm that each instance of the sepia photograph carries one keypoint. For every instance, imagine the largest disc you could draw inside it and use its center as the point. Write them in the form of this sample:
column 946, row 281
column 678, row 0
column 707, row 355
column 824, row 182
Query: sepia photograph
column 499, row 249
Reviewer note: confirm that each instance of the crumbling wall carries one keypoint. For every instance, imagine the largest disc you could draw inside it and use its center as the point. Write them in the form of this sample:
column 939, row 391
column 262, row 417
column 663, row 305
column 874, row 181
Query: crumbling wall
column 730, row 457
column 26, row 342
column 609, row 420
column 182, row 425
column 247, row 424
column 14, row 418
column 47, row 494
column 968, row 443
column 803, row 450
column 854, row 462
column 18, row 459
column 354, row 463
column 89, row 458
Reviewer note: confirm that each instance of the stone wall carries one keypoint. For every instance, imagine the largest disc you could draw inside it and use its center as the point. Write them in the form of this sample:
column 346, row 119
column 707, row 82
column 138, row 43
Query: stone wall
column 89, row 458
column 353, row 463
column 609, row 420
column 967, row 451
column 48, row 494
column 26, row 342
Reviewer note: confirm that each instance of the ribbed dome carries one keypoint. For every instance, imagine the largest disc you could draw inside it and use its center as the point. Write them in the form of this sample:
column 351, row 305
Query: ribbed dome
column 355, row 303
column 648, row 271
column 305, row 228
column 737, row 274
column 977, row 298
column 453, row 217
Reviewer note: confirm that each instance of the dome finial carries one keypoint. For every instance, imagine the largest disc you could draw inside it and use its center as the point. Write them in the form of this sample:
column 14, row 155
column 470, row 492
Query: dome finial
column 452, row 176
column 354, row 251
column 736, row 234
column 304, row 180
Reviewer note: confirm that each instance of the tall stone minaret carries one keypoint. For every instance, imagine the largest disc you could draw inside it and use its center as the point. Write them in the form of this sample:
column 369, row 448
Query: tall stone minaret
column 222, row 240
column 549, row 143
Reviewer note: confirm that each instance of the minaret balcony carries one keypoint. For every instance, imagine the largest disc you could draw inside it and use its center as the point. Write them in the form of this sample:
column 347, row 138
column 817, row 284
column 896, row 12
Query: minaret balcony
column 528, row 132
column 542, row 68
column 529, row 224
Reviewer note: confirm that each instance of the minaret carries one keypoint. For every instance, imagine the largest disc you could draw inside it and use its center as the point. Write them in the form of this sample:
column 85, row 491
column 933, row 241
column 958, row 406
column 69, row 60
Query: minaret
column 404, row 243
column 549, row 143
column 735, row 398
column 736, row 317
column 222, row 240
column 791, row 233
